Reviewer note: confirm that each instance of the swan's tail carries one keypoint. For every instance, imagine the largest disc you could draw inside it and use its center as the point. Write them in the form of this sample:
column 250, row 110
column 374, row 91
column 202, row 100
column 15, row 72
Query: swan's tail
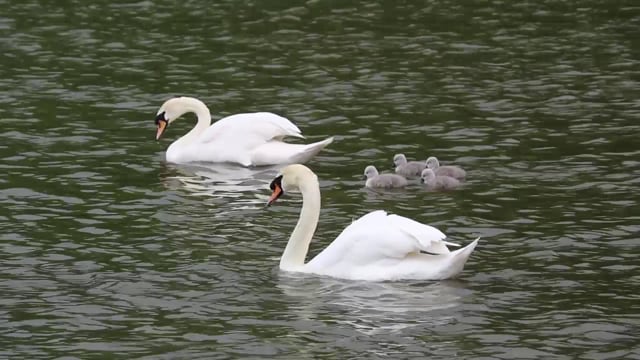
column 310, row 150
column 460, row 257
column 278, row 152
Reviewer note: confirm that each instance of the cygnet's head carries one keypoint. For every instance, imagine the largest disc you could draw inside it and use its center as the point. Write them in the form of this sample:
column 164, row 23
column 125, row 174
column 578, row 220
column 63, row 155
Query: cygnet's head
column 433, row 163
column 370, row 171
column 427, row 176
column 399, row 159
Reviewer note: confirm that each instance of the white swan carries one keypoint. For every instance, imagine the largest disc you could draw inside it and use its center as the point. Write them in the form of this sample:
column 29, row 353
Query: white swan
column 376, row 247
column 250, row 139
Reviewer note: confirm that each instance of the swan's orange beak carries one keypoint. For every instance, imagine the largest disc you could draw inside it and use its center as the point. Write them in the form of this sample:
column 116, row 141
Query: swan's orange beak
column 277, row 191
column 162, row 126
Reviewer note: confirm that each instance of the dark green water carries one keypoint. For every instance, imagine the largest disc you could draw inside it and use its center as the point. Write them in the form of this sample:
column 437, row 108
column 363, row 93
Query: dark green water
column 108, row 252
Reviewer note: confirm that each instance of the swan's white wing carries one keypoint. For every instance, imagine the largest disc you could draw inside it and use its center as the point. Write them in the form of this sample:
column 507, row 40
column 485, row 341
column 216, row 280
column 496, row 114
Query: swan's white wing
column 278, row 152
column 249, row 139
column 379, row 238
column 253, row 128
column 430, row 239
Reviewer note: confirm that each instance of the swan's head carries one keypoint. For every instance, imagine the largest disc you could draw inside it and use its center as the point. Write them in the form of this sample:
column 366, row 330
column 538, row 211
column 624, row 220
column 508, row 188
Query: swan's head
column 369, row 172
column 399, row 159
column 433, row 163
column 427, row 176
column 173, row 109
column 291, row 178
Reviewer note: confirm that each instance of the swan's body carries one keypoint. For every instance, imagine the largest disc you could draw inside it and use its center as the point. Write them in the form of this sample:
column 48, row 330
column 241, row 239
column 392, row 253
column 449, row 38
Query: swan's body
column 447, row 170
column 386, row 181
column 250, row 139
column 408, row 169
column 376, row 247
column 436, row 182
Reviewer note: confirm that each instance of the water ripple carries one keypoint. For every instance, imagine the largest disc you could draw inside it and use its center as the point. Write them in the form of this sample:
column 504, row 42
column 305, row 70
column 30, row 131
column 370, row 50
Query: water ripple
column 108, row 251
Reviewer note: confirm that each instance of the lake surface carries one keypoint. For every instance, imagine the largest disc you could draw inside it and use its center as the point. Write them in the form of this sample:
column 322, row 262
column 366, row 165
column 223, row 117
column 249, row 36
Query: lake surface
column 106, row 251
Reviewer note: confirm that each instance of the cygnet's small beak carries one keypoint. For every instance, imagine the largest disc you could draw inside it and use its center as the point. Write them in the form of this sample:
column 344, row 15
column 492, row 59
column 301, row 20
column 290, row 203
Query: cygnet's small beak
column 364, row 177
column 421, row 181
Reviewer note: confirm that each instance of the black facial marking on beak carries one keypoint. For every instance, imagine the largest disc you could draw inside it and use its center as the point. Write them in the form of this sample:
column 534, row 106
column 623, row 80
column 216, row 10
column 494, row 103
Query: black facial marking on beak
column 160, row 117
column 161, row 125
column 276, row 187
column 276, row 181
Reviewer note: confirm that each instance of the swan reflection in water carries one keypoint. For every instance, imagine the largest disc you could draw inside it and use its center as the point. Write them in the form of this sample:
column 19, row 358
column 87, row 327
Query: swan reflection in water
column 372, row 307
column 217, row 179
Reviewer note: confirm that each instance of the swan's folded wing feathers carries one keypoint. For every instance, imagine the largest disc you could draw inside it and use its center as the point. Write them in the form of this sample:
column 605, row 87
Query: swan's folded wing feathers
column 279, row 126
column 355, row 243
column 261, row 126
column 378, row 237
column 428, row 238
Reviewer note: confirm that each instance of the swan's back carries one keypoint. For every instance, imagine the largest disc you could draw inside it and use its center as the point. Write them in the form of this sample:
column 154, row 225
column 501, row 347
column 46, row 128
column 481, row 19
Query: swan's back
column 378, row 241
column 411, row 168
column 443, row 183
column 455, row 172
column 387, row 181
column 261, row 125
column 241, row 138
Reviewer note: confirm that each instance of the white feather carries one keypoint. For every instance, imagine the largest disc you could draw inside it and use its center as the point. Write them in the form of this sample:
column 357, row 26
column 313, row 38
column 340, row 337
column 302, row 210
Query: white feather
column 249, row 139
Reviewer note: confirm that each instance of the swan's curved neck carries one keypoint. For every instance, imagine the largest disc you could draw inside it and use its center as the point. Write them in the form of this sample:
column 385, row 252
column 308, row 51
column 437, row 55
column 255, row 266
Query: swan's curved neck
column 298, row 245
column 204, row 118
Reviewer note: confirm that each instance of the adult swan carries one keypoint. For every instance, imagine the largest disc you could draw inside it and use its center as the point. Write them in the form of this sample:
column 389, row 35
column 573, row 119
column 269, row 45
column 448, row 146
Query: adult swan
column 250, row 139
column 375, row 247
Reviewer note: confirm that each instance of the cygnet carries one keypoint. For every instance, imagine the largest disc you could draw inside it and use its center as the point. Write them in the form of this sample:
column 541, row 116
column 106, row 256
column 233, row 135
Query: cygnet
column 387, row 181
column 406, row 168
column 447, row 170
column 434, row 182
